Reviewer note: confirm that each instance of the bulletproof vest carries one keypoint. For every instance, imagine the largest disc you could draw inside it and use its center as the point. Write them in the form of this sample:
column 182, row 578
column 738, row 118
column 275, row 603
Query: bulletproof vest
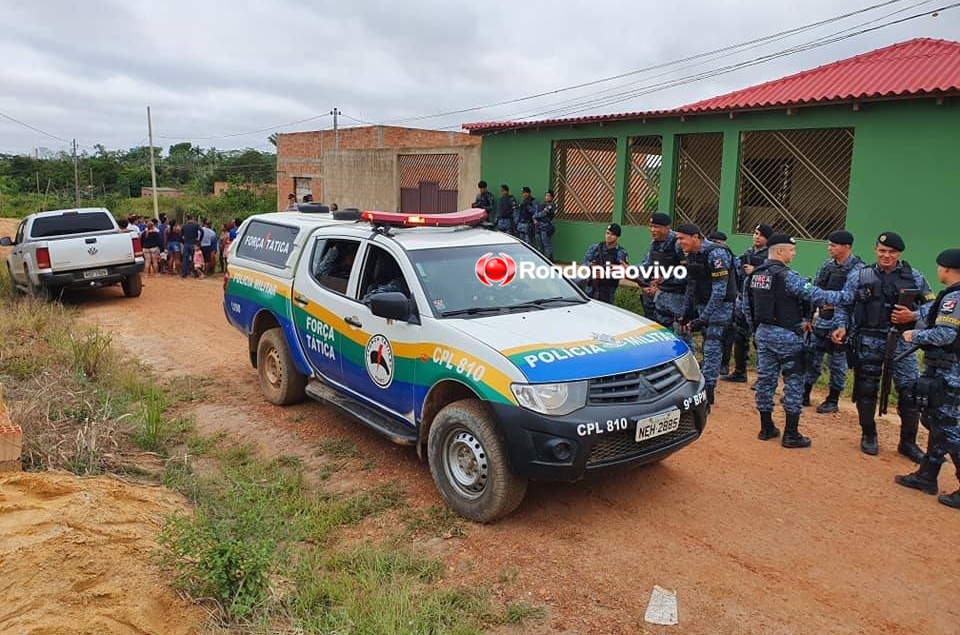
column 833, row 275
column 608, row 257
column 769, row 300
column 698, row 271
column 876, row 294
column 754, row 257
column 949, row 352
column 665, row 255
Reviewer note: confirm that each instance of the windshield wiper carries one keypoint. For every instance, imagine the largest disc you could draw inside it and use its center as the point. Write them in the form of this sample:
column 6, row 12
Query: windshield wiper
column 473, row 310
column 540, row 302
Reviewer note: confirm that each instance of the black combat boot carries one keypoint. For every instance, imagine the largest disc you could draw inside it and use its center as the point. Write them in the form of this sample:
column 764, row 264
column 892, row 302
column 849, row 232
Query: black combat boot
column 953, row 500
column 909, row 422
column 831, row 403
column 806, row 394
column 924, row 479
column 868, row 438
column 711, row 397
column 791, row 433
column 767, row 428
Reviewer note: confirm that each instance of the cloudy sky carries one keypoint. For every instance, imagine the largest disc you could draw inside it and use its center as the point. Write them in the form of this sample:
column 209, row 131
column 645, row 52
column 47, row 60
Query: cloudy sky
column 228, row 74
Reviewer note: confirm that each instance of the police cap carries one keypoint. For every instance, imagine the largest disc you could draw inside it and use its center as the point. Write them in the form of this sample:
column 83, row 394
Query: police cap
column 660, row 219
column 841, row 237
column 525, row 190
column 949, row 259
column 614, row 229
column 780, row 239
column 688, row 228
column 765, row 230
column 891, row 240
column 717, row 236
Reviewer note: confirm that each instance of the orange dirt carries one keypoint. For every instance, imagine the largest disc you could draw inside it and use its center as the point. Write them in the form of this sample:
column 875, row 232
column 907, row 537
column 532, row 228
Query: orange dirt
column 754, row 538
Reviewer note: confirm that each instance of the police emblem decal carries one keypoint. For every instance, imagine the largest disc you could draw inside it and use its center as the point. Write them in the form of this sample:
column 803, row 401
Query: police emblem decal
column 948, row 306
column 378, row 358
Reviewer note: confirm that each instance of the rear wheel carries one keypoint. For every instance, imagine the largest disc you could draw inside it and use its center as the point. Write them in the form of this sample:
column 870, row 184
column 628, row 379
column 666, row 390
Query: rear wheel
column 13, row 283
column 44, row 292
column 469, row 463
column 132, row 285
column 280, row 381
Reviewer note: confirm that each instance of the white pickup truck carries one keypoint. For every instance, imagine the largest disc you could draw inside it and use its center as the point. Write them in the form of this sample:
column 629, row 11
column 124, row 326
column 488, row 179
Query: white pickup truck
column 73, row 249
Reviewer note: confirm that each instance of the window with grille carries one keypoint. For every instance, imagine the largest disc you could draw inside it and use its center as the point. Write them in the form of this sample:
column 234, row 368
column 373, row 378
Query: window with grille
column 584, row 177
column 797, row 181
column 643, row 179
column 697, row 198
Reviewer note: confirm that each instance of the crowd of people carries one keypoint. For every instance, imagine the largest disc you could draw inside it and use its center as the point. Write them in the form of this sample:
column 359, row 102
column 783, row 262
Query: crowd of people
column 527, row 219
column 192, row 248
column 870, row 318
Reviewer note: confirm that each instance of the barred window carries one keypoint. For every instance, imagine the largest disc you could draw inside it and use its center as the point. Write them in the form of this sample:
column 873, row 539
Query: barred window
column 584, row 177
column 643, row 179
column 698, row 180
column 797, row 181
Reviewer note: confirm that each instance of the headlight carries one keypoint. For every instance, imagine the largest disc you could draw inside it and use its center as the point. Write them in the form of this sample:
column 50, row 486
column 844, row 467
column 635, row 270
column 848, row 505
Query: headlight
column 551, row 399
column 689, row 367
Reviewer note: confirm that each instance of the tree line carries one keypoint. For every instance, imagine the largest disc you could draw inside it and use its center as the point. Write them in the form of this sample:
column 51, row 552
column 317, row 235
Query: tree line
column 124, row 172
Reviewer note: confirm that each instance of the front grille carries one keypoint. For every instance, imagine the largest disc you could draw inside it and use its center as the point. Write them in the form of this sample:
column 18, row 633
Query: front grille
column 635, row 387
column 623, row 445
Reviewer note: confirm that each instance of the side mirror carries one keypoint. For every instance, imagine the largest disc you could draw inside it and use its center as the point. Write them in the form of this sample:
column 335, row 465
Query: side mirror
column 391, row 305
column 6, row 242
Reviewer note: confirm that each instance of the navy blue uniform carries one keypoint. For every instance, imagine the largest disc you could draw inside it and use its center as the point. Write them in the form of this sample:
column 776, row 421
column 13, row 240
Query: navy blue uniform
column 600, row 254
column 544, row 229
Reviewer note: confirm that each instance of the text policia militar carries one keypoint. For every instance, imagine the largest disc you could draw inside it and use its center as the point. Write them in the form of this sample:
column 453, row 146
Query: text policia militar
column 528, row 269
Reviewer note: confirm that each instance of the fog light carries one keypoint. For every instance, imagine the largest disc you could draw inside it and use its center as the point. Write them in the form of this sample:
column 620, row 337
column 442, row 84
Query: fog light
column 562, row 450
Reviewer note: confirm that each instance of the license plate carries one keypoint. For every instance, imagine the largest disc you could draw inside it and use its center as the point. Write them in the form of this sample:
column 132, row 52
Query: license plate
column 658, row 424
column 95, row 273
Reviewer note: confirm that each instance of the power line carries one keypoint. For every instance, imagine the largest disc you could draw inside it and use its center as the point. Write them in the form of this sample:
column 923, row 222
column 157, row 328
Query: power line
column 778, row 35
column 617, row 90
column 592, row 102
column 35, row 129
column 243, row 134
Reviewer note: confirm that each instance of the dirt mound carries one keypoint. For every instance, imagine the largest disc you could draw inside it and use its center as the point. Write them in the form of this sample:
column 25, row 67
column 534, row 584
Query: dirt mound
column 74, row 557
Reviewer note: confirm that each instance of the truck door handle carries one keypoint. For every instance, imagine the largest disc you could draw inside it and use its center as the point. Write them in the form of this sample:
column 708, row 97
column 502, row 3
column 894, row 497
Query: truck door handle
column 299, row 299
column 353, row 321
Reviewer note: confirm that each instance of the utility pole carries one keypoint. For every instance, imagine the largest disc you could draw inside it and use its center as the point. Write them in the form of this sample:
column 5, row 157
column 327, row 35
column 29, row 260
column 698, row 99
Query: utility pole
column 76, row 175
column 153, row 167
column 336, row 130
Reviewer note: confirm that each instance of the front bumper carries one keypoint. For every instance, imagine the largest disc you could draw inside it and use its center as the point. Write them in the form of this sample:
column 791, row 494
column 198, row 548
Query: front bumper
column 597, row 437
column 76, row 279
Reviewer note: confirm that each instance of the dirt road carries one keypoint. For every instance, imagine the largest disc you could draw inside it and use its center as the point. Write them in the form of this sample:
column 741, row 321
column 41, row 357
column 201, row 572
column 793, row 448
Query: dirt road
column 754, row 538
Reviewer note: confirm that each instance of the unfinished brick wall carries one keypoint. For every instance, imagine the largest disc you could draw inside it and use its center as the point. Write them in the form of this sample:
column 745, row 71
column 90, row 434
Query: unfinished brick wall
column 301, row 154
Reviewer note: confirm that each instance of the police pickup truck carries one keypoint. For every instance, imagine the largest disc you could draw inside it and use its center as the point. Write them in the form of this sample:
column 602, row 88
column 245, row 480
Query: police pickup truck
column 73, row 248
column 425, row 328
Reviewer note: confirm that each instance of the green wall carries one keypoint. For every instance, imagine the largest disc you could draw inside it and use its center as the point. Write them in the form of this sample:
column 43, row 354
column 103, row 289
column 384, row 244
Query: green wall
column 905, row 174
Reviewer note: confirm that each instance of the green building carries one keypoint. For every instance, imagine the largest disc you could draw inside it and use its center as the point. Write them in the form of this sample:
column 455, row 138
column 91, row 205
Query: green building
column 870, row 144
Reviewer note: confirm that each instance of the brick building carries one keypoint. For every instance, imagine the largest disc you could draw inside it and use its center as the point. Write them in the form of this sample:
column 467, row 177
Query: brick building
column 380, row 167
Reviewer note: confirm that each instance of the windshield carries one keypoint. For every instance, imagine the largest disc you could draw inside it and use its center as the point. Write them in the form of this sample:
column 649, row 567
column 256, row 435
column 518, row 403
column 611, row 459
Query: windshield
column 71, row 223
column 451, row 278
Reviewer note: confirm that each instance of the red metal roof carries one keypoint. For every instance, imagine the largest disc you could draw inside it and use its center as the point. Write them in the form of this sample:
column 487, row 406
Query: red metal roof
column 913, row 68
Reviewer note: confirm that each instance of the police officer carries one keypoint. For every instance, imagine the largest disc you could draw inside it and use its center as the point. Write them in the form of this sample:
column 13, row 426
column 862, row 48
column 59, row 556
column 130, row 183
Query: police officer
column 506, row 210
column 543, row 224
column 831, row 276
column 774, row 299
column 870, row 308
column 937, row 392
column 485, row 200
column 528, row 207
column 664, row 252
column 708, row 298
column 606, row 253
column 726, row 342
column 750, row 259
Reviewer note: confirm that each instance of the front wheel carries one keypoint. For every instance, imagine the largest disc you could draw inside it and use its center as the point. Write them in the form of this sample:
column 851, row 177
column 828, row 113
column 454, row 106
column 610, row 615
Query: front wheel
column 469, row 464
column 280, row 381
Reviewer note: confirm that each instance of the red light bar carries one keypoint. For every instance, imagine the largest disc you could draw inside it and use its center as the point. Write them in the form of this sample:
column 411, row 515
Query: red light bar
column 402, row 219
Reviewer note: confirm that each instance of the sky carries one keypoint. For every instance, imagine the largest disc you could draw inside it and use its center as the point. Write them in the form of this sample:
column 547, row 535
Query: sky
column 228, row 74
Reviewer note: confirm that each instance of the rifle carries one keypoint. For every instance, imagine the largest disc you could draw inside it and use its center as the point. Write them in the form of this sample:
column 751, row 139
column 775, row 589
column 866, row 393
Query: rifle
column 907, row 298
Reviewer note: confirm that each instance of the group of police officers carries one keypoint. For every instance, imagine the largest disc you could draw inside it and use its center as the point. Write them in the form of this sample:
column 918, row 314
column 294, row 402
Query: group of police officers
column 846, row 312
